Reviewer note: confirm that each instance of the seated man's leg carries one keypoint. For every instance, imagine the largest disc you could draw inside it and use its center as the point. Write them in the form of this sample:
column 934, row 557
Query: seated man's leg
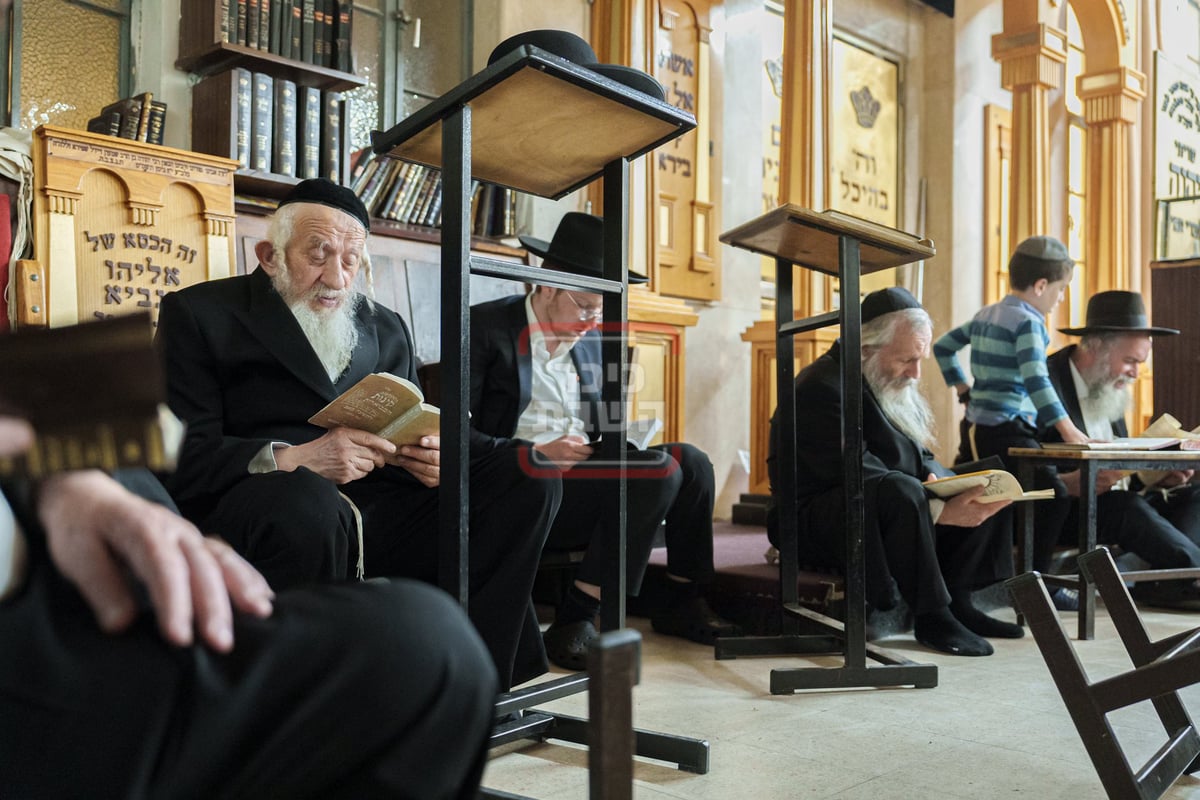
column 974, row 558
column 689, row 540
column 907, row 534
column 1180, row 507
column 293, row 526
column 1127, row 519
column 510, row 514
column 393, row 670
column 585, row 520
column 899, row 546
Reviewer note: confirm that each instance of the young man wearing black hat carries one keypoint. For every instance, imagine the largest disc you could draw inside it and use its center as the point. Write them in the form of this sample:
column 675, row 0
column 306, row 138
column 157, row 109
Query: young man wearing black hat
column 536, row 377
column 934, row 553
column 250, row 358
column 1160, row 523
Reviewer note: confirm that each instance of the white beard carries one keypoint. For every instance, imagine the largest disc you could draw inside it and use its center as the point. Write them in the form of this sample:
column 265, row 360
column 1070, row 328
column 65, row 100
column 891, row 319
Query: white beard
column 332, row 334
column 1108, row 398
column 902, row 403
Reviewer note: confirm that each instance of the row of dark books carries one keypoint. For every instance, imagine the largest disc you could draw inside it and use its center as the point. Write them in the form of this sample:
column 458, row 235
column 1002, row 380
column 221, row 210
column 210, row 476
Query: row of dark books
column 140, row 118
column 313, row 31
column 401, row 191
column 412, row 194
column 269, row 124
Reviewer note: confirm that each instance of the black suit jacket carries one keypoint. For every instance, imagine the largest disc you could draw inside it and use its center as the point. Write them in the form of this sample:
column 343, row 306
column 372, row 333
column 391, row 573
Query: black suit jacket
column 1059, row 367
column 501, row 365
column 819, row 454
column 241, row 374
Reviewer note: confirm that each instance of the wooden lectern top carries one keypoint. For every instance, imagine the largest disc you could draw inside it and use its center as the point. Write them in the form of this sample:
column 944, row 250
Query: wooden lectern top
column 810, row 238
column 539, row 124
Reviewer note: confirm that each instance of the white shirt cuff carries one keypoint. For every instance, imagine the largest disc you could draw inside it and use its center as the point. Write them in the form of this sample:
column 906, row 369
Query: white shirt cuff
column 264, row 460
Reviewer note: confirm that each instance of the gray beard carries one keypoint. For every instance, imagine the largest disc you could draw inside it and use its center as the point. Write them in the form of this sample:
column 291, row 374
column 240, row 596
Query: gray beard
column 333, row 335
column 1107, row 400
column 902, row 403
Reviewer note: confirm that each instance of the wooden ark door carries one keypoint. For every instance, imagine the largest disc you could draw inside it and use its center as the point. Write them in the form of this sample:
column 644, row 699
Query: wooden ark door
column 683, row 220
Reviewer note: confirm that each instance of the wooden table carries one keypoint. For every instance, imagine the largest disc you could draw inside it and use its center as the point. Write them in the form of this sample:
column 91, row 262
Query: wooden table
column 1089, row 463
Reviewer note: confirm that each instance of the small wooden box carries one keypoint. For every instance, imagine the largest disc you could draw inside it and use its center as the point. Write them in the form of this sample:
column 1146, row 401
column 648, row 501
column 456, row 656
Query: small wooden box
column 119, row 223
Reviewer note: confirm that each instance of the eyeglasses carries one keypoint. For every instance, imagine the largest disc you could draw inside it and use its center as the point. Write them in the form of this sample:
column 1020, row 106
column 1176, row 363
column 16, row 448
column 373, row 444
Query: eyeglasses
column 588, row 312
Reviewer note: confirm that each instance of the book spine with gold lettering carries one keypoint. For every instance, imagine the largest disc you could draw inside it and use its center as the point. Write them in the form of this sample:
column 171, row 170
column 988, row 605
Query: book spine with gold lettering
column 261, row 122
column 308, row 146
column 283, row 154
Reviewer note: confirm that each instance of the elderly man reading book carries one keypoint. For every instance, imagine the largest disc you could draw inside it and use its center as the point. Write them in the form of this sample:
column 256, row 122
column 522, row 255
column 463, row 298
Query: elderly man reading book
column 1161, row 522
column 934, row 553
column 251, row 359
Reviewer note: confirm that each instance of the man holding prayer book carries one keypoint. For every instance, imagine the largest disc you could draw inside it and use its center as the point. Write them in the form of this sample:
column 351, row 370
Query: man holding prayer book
column 1160, row 523
column 250, row 359
column 536, row 377
column 934, row 552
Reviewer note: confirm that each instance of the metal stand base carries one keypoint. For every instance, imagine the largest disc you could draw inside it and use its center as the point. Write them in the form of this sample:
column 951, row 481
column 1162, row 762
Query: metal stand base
column 893, row 670
column 691, row 755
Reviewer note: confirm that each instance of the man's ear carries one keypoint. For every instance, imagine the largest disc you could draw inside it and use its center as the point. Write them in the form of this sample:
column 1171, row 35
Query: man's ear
column 1039, row 286
column 266, row 257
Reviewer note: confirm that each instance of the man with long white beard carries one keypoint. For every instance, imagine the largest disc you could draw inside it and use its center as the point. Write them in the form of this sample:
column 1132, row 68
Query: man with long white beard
column 249, row 359
column 1159, row 523
column 935, row 553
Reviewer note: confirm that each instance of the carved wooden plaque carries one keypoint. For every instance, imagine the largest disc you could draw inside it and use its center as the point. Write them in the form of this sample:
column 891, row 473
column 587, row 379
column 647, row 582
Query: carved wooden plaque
column 119, row 223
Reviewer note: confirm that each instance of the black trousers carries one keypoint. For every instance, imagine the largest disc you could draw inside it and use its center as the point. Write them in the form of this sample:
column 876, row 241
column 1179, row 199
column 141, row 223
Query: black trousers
column 297, row 530
column 1049, row 516
column 672, row 482
column 348, row 691
column 1165, row 532
column 902, row 548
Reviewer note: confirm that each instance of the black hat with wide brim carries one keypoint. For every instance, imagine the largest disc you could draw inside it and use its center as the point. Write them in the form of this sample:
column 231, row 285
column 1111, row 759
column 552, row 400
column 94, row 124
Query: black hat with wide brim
column 1117, row 312
column 577, row 247
column 576, row 50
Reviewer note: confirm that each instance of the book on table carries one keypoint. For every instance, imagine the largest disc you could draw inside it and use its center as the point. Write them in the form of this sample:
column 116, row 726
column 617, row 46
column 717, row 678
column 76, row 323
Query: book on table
column 94, row 394
column 1167, row 426
column 999, row 485
column 385, row 405
column 1119, row 443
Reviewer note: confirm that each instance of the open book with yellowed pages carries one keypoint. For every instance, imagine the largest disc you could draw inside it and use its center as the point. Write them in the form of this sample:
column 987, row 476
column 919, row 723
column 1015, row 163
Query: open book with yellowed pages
column 998, row 484
column 385, row 405
column 1167, row 425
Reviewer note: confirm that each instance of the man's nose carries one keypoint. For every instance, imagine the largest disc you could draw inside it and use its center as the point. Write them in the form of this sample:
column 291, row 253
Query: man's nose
column 333, row 277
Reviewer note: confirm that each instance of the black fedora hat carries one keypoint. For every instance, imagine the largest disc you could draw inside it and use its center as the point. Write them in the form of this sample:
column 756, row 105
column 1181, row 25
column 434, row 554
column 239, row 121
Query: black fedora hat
column 1117, row 312
column 560, row 43
column 576, row 50
column 577, row 247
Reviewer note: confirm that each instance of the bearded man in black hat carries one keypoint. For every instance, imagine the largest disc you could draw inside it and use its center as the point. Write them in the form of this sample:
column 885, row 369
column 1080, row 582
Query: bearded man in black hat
column 249, row 359
column 1160, row 523
column 934, row 552
column 536, row 377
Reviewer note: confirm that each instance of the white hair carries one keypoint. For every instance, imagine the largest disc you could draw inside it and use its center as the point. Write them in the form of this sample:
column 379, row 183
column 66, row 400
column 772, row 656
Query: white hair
column 279, row 233
column 899, row 398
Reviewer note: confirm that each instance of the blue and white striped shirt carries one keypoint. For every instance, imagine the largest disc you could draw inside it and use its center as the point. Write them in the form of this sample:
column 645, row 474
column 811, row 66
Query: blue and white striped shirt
column 1008, row 362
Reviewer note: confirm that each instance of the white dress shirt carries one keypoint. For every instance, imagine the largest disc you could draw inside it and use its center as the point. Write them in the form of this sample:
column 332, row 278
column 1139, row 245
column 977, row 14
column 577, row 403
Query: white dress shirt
column 553, row 409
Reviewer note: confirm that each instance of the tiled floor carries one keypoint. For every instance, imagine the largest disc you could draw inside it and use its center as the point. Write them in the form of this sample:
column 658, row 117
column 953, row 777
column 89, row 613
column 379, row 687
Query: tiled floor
column 993, row 728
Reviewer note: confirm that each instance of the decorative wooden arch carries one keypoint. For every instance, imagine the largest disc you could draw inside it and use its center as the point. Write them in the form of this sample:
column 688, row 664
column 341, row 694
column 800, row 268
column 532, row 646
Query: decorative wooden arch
column 1032, row 51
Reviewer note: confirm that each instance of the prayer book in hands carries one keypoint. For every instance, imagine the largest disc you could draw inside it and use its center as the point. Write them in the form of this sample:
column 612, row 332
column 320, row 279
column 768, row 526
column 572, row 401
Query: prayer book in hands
column 998, row 484
column 94, row 394
column 1169, row 427
column 386, row 405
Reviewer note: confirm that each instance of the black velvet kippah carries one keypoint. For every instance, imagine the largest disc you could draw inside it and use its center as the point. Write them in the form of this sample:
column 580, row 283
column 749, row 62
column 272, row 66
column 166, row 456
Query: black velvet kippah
column 327, row 193
column 885, row 301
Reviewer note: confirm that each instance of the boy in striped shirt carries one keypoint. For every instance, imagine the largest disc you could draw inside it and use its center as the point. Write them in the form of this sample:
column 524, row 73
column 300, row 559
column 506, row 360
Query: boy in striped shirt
column 1012, row 395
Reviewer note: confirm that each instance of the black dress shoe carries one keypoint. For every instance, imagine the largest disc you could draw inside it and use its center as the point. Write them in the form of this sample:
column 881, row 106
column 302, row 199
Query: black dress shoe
column 567, row 645
column 693, row 619
column 1181, row 595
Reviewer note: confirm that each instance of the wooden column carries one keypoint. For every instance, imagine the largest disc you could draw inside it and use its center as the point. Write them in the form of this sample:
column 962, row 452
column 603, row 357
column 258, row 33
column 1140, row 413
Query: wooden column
column 761, row 336
column 1111, row 105
column 1031, row 63
column 803, row 149
column 657, row 332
